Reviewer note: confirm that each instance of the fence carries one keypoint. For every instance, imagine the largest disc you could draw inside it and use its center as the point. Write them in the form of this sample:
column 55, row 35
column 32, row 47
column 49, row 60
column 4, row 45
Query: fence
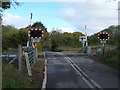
column 25, row 57
column 101, row 50
column 30, row 55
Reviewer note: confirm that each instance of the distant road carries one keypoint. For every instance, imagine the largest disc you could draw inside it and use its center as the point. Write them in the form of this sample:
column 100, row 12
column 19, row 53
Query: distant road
column 74, row 70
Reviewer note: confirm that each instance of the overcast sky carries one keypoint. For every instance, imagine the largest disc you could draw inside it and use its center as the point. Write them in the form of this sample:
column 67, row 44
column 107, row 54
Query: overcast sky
column 67, row 15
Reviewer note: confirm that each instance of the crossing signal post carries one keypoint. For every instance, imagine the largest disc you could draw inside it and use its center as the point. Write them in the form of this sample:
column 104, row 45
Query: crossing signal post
column 34, row 35
column 103, row 37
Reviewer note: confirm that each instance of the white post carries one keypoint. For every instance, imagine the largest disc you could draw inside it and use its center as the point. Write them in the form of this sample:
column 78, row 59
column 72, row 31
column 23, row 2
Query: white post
column 83, row 45
column 103, row 45
column 36, row 54
column 86, row 39
column 29, row 40
column 27, row 43
column 86, row 35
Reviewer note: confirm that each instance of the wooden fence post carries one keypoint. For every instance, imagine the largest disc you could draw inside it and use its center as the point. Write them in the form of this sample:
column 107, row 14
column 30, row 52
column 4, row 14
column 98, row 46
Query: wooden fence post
column 19, row 57
column 28, row 64
column 36, row 52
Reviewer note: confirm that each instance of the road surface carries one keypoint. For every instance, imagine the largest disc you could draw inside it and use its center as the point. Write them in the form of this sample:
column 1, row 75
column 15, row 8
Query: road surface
column 75, row 70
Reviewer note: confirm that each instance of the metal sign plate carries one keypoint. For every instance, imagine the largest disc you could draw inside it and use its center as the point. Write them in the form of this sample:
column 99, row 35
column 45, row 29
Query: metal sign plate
column 82, row 38
column 103, row 41
column 35, row 39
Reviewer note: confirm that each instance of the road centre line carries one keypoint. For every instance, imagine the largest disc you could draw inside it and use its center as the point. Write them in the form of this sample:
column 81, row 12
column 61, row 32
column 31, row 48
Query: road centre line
column 90, row 82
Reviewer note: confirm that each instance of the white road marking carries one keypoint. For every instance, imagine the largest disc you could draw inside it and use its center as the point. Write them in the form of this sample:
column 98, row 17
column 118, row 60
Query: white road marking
column 52, row 58
column 45, row 74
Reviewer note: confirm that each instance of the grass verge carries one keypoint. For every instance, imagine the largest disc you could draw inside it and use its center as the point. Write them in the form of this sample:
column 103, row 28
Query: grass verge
column 12, row 78
column 37, row 77
column 111, row 58
column 67, row 49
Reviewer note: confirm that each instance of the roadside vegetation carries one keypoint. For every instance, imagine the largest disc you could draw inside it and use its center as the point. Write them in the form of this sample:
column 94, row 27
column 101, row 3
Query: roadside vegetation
column 65, row 41
column 111, row 59
column 13, row 78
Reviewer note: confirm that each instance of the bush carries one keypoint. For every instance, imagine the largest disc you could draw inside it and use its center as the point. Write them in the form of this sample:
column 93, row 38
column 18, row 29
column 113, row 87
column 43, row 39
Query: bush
column 112, row 58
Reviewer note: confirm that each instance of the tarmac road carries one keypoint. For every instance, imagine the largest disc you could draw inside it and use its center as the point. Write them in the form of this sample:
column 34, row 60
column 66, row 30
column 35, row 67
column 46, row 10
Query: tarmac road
column 74, row 70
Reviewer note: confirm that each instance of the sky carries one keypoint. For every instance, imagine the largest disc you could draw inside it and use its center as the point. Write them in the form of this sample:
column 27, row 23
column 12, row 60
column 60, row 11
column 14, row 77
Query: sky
column 66, row 15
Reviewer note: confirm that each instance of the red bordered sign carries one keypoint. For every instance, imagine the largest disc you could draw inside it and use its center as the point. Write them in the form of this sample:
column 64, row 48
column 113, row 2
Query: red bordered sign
column 103, row 36
column 35, row 33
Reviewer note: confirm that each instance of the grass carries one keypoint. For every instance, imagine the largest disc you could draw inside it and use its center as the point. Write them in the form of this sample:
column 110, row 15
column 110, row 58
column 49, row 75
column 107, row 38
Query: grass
column 37, row 76
column 12, row 78
column 111, row 58
column 67, row 49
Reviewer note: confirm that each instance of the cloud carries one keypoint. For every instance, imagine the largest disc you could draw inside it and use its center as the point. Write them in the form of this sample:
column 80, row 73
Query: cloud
column 96, row 15
column 66, row 29
column 69, row 12
column 14, row 20
column 62, row 29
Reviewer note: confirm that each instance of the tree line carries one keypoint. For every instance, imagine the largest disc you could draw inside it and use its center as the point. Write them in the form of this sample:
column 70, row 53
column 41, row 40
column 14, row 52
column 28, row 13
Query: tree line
column 65, row 39
column 12, row 37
